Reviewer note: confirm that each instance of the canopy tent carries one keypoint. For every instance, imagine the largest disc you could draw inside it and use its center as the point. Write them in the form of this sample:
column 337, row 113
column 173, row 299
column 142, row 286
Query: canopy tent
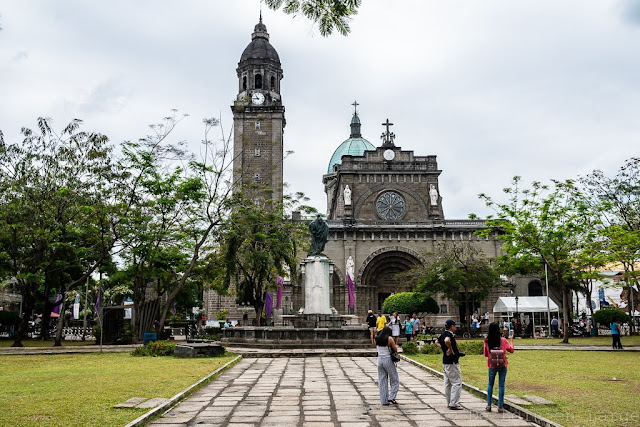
column 525, row 305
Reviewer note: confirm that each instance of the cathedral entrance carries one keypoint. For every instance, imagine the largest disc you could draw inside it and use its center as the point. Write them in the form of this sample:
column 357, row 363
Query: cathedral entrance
column 378, row 276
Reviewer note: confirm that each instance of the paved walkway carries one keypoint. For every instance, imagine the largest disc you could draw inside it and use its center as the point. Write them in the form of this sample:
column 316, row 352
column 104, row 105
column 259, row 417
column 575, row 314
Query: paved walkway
column 325, row 391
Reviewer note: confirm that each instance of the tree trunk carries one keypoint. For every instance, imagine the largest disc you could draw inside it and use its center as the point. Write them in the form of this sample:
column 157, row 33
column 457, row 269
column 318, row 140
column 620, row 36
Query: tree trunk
column 565, row 313
column 58, row 340
column 588, row 294
column 27, row 308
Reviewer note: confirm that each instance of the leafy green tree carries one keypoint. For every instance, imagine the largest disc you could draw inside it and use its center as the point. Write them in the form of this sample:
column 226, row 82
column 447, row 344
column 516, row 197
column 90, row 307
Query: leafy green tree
column 615, row 201
column 257, row 243
column 539, row 226
column 460, row 271
column 330, row 15
column 177, row 211
column 410, row 302
column 56, row 222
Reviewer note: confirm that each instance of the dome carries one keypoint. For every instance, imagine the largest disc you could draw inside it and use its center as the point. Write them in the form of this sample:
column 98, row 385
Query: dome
column 260, row 48
column 356, row 145
column 352, row 147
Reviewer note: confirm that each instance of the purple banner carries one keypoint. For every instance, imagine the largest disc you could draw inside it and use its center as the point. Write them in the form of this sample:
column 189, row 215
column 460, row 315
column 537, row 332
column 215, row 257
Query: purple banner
column 352, row 291
column 268, row 304
column 175, row 308
column 97, row 306
column 279, row 294
column 56, row 308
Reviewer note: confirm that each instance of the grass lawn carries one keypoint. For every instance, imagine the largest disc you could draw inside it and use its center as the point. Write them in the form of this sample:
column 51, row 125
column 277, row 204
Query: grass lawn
column 47, row 343
column 580, row 382
column 604, row 341
column 81, row 389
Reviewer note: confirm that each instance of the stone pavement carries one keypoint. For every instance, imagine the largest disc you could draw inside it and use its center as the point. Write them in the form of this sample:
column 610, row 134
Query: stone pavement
column 325, row 391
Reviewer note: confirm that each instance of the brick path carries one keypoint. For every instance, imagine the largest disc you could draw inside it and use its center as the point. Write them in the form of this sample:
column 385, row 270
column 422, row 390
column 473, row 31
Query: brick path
column 325, row 391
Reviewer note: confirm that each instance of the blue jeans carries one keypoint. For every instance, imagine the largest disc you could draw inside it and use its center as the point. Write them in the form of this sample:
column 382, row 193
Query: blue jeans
column 502, row 376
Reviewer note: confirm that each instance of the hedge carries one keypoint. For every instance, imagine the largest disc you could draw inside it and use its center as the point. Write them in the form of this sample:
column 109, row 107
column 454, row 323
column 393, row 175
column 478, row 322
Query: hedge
column 605, row 316
column 410, row 302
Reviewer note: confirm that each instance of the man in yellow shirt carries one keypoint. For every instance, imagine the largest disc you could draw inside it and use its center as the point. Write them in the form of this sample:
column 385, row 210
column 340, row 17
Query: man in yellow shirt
column 380, row 321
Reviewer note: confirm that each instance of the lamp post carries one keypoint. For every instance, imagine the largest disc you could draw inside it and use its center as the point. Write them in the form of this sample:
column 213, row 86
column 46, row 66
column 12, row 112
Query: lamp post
column 517, row 314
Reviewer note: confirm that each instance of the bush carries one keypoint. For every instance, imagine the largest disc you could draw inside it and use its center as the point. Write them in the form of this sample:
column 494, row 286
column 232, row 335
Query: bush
column 471, row 347
column 431, row 349
column 605, row 316
column 155, row 348
column 410, row 302
column 9, row 318
column 409, row 347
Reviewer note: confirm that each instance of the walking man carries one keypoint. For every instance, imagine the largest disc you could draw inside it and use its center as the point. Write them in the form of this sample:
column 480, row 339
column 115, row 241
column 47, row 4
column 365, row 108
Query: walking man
column 450, row 366
column 554, row 326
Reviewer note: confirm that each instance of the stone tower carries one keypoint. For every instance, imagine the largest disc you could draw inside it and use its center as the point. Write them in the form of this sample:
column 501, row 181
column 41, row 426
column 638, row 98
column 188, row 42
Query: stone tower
column 258, row 119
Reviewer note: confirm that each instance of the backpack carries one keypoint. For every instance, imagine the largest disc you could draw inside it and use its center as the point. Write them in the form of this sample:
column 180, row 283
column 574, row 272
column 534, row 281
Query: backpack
column 497, row 358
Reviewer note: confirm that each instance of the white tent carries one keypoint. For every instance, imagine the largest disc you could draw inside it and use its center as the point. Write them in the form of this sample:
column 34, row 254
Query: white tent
column 525, row 305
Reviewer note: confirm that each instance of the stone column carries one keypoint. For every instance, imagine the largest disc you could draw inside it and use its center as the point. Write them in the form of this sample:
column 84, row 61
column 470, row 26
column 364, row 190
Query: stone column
column 316, row 276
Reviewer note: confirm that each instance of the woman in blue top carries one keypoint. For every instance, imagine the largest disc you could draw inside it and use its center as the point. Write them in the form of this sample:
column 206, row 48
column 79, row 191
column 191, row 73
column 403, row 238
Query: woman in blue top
column 408, row 328
column 615, row 335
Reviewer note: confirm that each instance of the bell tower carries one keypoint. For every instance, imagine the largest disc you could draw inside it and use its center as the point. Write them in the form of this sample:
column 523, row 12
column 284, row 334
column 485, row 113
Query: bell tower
column 258, row 119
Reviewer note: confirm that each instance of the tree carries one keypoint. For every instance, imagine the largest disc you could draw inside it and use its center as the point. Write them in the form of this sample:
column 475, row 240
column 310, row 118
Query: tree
column 537, row 226
column 330, row 15
column 410, row 302
column 55, row 212
column 460, row 271
column 258, row 243
column 177, row 211
column 616, row 203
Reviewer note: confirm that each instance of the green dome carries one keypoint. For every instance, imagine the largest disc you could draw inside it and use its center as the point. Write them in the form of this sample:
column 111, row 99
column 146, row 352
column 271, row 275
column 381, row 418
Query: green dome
column 352, row 146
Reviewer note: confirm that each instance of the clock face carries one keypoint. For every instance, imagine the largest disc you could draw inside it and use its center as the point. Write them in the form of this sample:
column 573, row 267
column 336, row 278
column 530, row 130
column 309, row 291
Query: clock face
column 390, row 206
column 389, row 155
column 257, row 98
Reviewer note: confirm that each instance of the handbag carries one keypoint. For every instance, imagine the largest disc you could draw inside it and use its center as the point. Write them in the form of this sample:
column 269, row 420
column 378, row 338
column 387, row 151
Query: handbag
column 395, row 357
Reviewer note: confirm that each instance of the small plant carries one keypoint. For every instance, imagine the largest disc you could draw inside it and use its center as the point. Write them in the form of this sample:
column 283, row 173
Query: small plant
column 155, row 348
column 410, row 347
column 222, row 314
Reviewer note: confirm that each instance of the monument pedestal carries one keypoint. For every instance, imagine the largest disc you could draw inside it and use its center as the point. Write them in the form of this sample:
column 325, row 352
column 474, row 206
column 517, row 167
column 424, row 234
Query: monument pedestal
column 316, row 273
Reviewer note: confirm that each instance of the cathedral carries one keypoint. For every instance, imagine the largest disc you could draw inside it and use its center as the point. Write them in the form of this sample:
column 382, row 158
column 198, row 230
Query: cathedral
column 385, row 209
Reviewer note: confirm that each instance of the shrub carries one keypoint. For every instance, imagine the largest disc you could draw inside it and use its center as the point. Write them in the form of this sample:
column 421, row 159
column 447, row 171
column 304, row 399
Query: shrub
column 410, row 347
column 430, row 349
column 607, row 315
column 410, row 302
column 155, row 348
column 471, row 347
column 9, row 318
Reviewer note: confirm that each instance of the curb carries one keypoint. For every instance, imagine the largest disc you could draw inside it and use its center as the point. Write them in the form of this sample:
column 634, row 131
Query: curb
column 173, row 400
column 511, row 407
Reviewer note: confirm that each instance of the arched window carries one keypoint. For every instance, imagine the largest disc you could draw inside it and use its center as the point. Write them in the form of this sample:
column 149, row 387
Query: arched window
column 244, row 82
column 273, row 83
column 258, row 81
column 535, row 289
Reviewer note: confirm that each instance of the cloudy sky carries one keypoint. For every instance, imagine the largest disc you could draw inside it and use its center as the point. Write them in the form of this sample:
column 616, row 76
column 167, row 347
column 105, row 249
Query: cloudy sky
column 495, row 88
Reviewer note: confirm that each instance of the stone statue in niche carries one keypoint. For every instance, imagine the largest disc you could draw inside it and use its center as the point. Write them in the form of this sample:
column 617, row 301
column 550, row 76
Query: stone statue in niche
column 319, row 235
column 350, row 267
column 433, row 195
column 347, row 196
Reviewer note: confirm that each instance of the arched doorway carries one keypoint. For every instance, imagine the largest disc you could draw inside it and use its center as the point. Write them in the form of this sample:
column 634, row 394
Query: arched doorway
column 377, row 276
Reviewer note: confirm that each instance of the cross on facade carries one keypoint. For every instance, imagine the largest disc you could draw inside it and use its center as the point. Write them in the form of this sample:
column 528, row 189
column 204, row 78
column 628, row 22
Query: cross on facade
column 387, row 137
column 355, row 107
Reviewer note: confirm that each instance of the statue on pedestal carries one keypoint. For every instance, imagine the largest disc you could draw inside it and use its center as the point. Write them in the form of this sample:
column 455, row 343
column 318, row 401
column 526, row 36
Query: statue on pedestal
column 319, row 234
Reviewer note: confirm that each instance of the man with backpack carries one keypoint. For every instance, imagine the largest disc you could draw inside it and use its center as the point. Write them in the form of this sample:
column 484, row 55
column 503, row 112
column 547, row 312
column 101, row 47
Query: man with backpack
column 495, row 350
column 452, row 374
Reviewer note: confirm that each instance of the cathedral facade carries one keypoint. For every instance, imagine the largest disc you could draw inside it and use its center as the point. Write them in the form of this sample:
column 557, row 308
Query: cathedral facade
column 385, row 208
